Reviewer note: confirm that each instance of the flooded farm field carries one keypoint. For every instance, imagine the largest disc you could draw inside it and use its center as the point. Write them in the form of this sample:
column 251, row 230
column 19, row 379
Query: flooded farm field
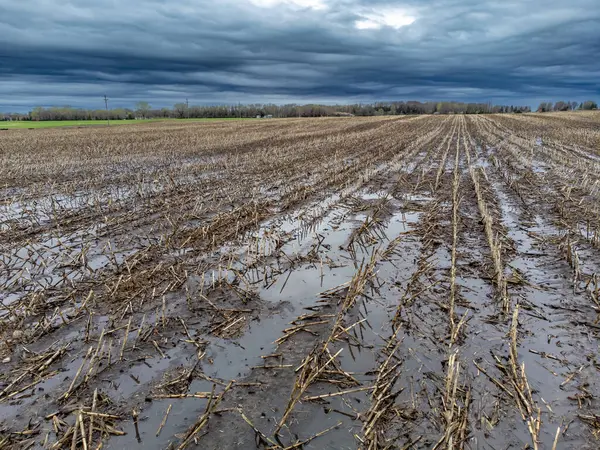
column 400, row 282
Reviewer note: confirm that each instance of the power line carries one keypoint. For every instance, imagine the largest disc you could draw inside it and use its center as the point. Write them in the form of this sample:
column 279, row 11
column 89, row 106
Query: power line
column 106, row 105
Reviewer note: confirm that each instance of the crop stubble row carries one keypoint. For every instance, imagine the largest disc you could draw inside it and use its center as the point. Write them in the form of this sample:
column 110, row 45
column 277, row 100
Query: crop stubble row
column 438, row 275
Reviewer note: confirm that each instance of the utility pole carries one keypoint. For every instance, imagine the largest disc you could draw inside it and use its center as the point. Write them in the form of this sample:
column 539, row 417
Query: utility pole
column 106, row 106
column 187, row 108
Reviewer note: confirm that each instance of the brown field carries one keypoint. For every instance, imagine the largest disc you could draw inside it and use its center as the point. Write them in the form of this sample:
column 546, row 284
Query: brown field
column 358, row 283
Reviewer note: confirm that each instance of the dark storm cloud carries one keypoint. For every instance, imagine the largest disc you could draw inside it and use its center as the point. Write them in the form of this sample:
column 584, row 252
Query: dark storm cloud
column 72, row 52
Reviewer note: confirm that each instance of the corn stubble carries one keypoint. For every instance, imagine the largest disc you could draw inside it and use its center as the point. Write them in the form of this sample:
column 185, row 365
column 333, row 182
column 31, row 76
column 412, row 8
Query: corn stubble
column 139, row 244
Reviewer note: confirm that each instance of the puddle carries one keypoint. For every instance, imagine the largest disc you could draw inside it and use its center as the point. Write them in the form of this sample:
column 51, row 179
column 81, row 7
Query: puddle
column 58, row 261
column 544, row 330
column 45, row 209
column 292, row 292
column 417, row 198
column 481, row 162
column 373, row 195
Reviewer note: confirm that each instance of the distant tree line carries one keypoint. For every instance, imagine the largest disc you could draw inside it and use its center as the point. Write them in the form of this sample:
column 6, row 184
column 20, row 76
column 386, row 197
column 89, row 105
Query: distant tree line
column 567, row 106
column 143, row 110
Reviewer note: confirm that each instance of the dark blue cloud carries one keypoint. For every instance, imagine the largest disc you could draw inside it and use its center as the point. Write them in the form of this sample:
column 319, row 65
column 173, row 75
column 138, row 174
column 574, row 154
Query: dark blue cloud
column 56, row 52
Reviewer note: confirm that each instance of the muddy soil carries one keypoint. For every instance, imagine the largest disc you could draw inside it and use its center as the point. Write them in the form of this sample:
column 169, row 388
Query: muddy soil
column 362, row 284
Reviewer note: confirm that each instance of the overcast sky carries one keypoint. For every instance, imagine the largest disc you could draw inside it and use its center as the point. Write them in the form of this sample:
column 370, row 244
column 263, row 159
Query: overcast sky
column 72, row 52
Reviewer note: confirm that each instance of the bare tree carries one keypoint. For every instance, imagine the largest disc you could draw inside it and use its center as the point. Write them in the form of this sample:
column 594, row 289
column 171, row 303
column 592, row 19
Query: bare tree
column 142, row 109
column 562, row 106
column 181, row 110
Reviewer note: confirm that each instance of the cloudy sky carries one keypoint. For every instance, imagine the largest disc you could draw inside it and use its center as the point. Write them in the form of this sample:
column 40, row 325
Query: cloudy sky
column 72, row 52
